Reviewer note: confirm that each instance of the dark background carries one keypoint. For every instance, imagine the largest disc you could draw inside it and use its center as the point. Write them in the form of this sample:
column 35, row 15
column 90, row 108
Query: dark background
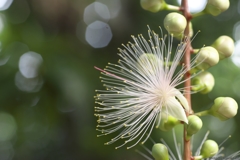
column 47, row 110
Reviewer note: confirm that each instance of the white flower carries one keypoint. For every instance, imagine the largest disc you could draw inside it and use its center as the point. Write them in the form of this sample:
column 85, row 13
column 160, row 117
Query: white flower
column 140, row 87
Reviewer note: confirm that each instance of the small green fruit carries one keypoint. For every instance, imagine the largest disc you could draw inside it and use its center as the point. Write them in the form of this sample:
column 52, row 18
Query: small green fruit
column 224, row 45
column 224, row 108
column 204, row 82
column 209, row 149
column 194, row 125
column 175, row 23
column 207, row 57
column 160, row 152
column 215, row 7
column 153, row 5
column 167, row 122
column 180, row 36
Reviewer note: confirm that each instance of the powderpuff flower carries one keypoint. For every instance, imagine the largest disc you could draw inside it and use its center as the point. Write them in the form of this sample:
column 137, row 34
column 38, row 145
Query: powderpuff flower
column 141, row 87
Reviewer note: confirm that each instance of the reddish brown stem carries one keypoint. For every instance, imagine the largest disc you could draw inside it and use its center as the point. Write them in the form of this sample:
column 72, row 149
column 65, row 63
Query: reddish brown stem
column 184, row 7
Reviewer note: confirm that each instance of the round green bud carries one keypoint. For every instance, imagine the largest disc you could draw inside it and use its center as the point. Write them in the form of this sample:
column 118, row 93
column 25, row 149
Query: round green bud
column 207, row 57
column 215, row 7
column 224, row 108
column 167, row 122
column 180, row 36
column 193, row 126
column 225, row 46
column 203, row 82
column 209, row 149
column 175, row 23
column 160, row 152
column 147, row 62
column 153, row 5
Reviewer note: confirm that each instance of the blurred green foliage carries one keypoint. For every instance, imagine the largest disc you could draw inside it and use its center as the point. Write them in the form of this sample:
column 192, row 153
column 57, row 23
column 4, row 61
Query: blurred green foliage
column 52, row 115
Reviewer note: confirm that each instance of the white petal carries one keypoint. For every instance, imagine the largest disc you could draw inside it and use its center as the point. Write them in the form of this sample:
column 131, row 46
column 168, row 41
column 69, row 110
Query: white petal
column 183, row 100
column 175, row 109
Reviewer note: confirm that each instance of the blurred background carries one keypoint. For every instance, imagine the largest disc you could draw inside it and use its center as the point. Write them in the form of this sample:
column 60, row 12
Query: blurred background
column 48, row 50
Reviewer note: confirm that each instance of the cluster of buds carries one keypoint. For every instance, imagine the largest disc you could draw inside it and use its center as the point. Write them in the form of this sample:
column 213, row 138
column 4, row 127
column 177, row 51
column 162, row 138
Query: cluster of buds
column 213, row 7
column 221, row 48
column 223, row 108
column 141, row 90
column 207, row 56
column 208, row 149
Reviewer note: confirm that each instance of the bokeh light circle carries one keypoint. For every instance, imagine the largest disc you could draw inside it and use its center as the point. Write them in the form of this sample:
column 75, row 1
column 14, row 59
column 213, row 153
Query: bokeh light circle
column 29, row 64
column 236, row 54
column 96, row 11
column 28, row 84
column 5, row 4
column 8, row 126
column 98, row 34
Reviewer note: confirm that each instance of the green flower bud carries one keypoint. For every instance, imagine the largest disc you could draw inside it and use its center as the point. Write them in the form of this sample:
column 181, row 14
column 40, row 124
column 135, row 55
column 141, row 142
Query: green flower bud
column 147, row 62
column 224, row 108
column 203, row 82
column 208, row 56
column 153, row 5
column 167, row 122
column 215, row 7
column 209, row 149
column 175, row 24
column 160, row 152
column 193, row 126
column 225, row 46
column 180, row 36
